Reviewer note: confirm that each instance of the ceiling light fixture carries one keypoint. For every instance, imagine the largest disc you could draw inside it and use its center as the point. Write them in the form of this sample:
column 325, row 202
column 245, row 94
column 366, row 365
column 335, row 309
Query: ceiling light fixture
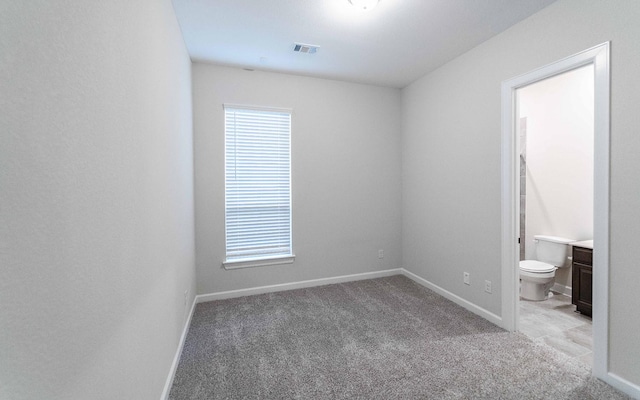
column 365, row 5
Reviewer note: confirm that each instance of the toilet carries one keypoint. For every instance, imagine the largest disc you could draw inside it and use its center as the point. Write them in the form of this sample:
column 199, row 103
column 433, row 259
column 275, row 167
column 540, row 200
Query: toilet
column 537, row 276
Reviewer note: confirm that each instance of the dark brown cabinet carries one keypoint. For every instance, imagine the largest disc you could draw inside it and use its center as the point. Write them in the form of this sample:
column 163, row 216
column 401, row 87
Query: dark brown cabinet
column 582, row 279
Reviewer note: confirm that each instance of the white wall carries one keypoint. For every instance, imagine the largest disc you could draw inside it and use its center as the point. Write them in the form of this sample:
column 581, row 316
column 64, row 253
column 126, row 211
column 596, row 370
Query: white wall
column 451, row 158
column 345, row 175
column 96, row 205
column 559, row 159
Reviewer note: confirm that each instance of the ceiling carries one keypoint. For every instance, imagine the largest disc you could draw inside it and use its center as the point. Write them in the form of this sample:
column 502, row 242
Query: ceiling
column 392, row 45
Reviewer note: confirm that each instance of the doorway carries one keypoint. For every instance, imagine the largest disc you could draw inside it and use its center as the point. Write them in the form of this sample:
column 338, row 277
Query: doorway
column 555, row 129
column 599, row 58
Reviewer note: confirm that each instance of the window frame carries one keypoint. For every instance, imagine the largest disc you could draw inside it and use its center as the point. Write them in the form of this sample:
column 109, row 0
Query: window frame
column 260, row 259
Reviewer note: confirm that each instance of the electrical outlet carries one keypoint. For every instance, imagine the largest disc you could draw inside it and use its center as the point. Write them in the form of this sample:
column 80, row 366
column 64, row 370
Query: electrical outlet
column 487, row 286
column 467, row 278
column 380, row 253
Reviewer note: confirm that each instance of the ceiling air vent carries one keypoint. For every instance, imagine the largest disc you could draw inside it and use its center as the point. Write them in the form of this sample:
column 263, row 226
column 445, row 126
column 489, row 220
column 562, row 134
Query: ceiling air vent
column 305, row 48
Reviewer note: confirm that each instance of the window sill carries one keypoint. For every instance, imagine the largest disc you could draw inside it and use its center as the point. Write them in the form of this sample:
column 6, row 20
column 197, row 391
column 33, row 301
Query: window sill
column 258, row 262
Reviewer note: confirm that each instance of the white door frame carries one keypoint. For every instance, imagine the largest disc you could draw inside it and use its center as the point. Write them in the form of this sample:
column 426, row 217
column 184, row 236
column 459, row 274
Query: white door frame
column 599, row 57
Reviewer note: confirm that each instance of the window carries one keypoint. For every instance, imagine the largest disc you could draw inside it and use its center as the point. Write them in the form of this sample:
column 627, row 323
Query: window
column 257, row 187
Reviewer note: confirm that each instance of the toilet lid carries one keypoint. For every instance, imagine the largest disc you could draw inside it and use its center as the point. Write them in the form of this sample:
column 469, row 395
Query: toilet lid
column 536, row 266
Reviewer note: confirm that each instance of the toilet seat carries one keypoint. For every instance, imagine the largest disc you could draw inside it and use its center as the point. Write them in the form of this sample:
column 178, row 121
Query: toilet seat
column 536, row 267
column 537, row 277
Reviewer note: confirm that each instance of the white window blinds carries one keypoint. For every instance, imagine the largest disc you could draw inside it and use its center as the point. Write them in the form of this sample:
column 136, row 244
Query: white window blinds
column 257, row 183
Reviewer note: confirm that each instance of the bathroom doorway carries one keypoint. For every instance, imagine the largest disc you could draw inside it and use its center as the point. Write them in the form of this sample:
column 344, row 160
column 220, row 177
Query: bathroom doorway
column 555, row 129
column 598, row 59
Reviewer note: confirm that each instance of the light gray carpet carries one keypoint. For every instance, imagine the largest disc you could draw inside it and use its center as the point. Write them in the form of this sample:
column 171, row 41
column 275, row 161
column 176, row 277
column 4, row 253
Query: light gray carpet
column 385, row 338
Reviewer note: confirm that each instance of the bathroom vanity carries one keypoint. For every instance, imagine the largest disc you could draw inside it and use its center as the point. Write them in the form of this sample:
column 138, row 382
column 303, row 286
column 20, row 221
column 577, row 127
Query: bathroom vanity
column 582, row 276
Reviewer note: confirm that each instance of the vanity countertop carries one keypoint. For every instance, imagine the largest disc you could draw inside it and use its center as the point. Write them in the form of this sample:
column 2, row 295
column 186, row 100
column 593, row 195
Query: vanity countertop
column 585, row 243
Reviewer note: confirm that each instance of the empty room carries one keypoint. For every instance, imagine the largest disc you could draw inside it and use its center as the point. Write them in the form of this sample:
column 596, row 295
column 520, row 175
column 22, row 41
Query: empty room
column 320, row 199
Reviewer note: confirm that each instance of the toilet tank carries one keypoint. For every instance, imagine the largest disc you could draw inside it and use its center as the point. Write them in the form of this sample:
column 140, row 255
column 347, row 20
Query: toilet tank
column 552, row 249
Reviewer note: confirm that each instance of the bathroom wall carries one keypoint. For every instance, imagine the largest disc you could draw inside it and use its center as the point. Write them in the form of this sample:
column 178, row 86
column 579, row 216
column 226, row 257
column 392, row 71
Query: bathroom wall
column 559, row 168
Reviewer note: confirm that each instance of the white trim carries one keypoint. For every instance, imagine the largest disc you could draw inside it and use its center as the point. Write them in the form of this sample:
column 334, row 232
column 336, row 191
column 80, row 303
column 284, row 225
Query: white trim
column 229, row 294
column 566, row 290
column 601, row 211
column 176, row 358
column 453, row 297
column 259, row 262
column 349, row 278
column 623, row 385
column 510, row 209
column 599, row 57
column 256, row 108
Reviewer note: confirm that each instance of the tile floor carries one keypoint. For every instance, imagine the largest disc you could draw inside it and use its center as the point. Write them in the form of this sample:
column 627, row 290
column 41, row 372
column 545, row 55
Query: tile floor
column 555, row 323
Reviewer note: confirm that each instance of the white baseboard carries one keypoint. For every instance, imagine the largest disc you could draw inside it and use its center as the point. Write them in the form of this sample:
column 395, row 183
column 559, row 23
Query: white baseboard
column 176, row 357
column 623, row 385
column 566, row 290
column 201, row 298
column 455, row 298
column 349, row 278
